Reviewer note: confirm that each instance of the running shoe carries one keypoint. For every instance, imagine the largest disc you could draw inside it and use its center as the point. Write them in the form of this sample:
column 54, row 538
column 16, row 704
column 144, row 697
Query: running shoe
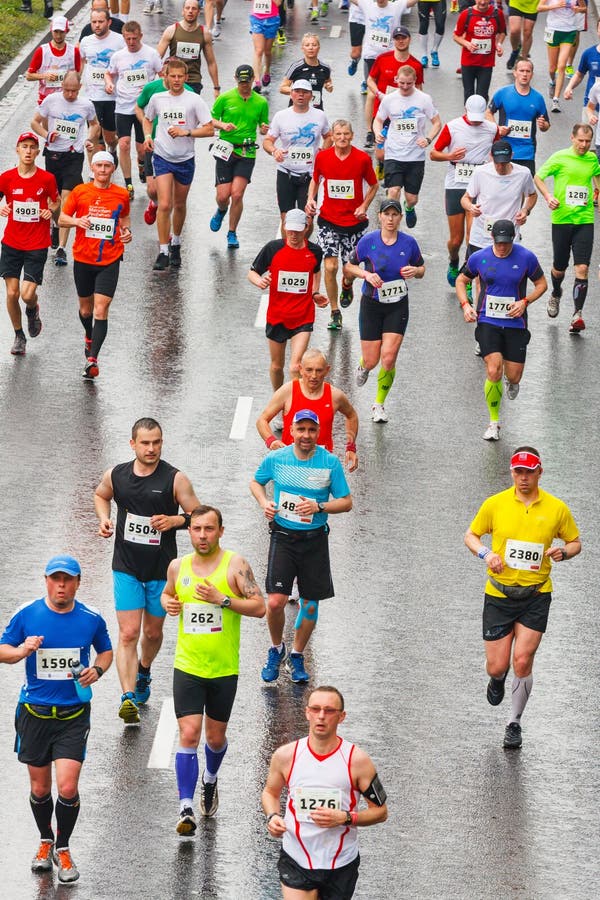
column 67, row 870
column 555, row 105
column 352, row 67
column 142, row 688
column 162, row 263
column 277, row 423
column 323, row 9
column 510, row 62
column 424, row 61
column 130, row 191
column 87, row 346
column 495, row 690
column 435, row 60
column 266, row 79
column 370, row 140
column 175, row 256
column 346, row 296
column 217, row 219
column 34, row 323
column 91, row 369
column 379, row 170
column 158, row 7
column 54, row 237
column 257, row 87
column 492, row 432
column 314, row 15
column 42, row 861
column 128, row 711
column 294, row 667
column 569, row 71
column 281, row 37
column 20, row 345
column 411, row 217
column 187, row 822
column 216, row 32
column 274, row 660
column 150, row 213
column 148, row 8
column 61, row 257
column 232, row 240
column 361, row 375
column 378, row 413
column 553, row 307
column 209, row 798
column 142, row 172
column 512, row 389
column 335, row 322
column 577, row 323
column 344, row 6
column 512, row 736
column 363, row 88
column 452, row 274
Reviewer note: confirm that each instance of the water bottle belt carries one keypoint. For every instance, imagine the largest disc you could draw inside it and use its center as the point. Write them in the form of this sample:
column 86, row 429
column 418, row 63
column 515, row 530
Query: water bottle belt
column 54, row 712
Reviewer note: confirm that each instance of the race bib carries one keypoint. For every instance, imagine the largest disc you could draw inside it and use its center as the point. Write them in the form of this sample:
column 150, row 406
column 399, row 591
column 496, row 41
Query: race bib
column 60, row 77
column 138, row 529
column 292, row 282
column 519, row 128
column 185, row 50
column 135, row 77
column 97, row 75
column 300, row 155
column 497, row 307
column 316, row 97
column 287, row 508
column 222, row 150
column 406, row 126
column 340, row 190
column 576, row 195
column 261, row 7
column 483, row 46
column 524, row 555
column 548, row 35
column 26, row 211
column 101, row 229
column 378, row 37
column 308, row 799
column 488, row 225
column 202, row 618
column 391, row 291
column 463, row 172
column 66, row 129
column 173, row 117
column 54, row 663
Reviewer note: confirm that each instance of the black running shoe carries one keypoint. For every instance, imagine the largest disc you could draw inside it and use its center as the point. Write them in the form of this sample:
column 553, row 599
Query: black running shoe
column 369, row 140
column 142, row 172
column 495, row 690
column 209, row 798
column 175, row 255
column 346, row 296
column 512, row 736
column 34, row 323
column 162, row 263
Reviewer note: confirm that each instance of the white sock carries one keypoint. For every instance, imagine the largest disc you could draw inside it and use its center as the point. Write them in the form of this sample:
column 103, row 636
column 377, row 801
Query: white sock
column 437, row 40
column 423, row 38
column 175, row 240
column 164, row 248
column 521, row 689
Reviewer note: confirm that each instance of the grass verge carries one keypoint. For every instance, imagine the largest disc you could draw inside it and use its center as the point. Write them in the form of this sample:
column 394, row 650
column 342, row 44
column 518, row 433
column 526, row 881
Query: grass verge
column 17, row 28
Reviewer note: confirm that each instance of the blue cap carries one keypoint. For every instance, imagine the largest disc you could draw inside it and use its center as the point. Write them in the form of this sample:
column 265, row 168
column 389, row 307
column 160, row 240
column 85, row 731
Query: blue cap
column 66, row 564
column 304, row 414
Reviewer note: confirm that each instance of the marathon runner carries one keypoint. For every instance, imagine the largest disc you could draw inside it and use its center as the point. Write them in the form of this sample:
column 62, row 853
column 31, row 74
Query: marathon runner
column 522, row 15
column 115, row 25
column 521, row 111
column 264, row 24
column 356, row 26
column 96, row 52
column 589, row 65
column 523, row 522
column 51, row 62
column 428, row 9
column 188, row 41
column 310, row 68
column 480, row 31
column 560, row 34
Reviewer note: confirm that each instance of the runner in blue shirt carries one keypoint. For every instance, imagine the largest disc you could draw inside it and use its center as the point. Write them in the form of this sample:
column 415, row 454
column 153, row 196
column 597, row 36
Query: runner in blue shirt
column 503, row 270
column 589, row 65
column 52, row 723
column 521, row 111
column 305, row 477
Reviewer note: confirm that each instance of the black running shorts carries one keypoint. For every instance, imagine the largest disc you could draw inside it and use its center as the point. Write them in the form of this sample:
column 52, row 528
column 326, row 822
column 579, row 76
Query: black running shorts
column 40, row 741
column 303, row 555
column 376, row 319
column 90, row 279
column 500, row 615
column 30, row 262
column 511, row 343
column 330, row 884
column 195, row 696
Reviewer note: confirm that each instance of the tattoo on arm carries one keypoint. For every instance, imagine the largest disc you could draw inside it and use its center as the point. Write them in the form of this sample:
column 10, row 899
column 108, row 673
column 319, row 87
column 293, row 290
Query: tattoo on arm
column 249, row 586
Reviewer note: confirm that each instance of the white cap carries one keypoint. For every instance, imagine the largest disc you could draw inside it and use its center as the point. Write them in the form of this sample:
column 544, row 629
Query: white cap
column 103, row 156
column 59, row 23
column 475, row 108
column 295, row 220
column 302, row 85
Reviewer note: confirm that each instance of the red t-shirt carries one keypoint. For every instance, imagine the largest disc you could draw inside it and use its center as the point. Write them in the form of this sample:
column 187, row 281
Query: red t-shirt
column 344, row 185
column 105, row 208
column 25, row 230
column 36, row 59
column 323, row 406
column 384, row 70
column 291, row 301
column 482, row 27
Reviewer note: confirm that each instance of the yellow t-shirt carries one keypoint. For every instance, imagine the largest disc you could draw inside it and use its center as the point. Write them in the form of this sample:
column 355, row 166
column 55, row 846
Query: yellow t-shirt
column 521, row 535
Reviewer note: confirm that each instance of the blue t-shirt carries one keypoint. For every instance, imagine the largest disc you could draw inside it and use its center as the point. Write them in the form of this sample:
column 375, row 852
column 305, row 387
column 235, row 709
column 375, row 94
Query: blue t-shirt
column 317, row 478
column 589, row 65
column 67, row 638
column 502, row 282
column 522, row 111
column 387, row 260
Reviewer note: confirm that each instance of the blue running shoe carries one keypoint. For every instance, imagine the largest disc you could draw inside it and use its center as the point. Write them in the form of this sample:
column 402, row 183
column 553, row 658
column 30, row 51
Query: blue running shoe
column 363, row 87
column 274, row 660
column 424, row 61
column 232, row 240
column 294, row 667
column 452, row 274
column 435, row 60
column 411, row 217
column 217, row 219
column 142, row 688
column 353, row 66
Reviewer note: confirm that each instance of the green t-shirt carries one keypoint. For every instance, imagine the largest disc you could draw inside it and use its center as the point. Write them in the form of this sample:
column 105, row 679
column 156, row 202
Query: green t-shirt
column 149, row 90
column 526, row 6
column 572, row 185
column 246, row 115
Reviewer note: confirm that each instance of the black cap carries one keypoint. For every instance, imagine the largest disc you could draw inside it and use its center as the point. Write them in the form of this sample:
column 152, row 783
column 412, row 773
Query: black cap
column 503, row 231
column 501, row 151
column 388, row 202
column 244, row 73
column 401, row 31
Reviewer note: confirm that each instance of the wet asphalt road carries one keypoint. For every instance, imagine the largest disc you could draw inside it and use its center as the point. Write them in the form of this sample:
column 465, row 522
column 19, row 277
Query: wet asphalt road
column 402, row 636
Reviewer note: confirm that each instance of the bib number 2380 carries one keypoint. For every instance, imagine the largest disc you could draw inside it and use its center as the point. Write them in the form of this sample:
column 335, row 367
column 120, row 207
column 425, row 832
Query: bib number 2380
column 524, row 555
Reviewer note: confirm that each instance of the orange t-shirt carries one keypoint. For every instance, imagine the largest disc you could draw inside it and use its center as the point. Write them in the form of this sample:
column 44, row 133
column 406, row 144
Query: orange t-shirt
column 100, row 244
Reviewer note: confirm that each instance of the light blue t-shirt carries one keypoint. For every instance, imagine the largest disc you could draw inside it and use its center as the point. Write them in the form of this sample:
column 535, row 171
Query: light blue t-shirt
column 589, row 65
column 521, row 111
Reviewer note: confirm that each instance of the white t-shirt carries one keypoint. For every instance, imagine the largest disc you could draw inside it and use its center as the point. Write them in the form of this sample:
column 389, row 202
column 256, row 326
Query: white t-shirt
column 69, row 119
column 133, row 71
column 499, row 197
column 380, row 22
column 300, row 134
column 477, row 141
column 409, row 117
column 97, row 52
column 186, row 110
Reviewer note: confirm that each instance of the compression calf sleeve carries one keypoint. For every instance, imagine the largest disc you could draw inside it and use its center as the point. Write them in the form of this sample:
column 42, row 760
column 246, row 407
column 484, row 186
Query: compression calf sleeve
column 214, row 758
column 87, row 322
column 557, row 281
column 521, row 689
column 42, row 809
column 99, row 332
column 385, row 380
column 493, row 397
column 580, row 289
column 67, row 811
column 186, row 772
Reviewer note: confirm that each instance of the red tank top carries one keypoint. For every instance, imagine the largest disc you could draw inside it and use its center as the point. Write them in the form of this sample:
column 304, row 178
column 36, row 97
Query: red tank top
column 323, row 406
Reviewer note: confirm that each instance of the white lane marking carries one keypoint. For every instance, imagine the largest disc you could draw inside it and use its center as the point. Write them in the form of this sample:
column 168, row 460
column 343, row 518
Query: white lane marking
column 166, row 732
column 335, row 32
column 261, row 315
column 239, row 426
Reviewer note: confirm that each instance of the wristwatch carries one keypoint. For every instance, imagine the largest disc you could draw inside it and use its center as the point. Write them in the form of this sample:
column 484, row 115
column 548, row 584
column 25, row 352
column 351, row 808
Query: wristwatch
column 563, row 553
column 226, row 602
column 348, row 819
column 321, row 507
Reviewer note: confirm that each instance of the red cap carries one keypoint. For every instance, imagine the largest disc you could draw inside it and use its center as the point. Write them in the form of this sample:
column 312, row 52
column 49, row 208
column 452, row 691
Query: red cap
column 28, row 136
column 525, row 460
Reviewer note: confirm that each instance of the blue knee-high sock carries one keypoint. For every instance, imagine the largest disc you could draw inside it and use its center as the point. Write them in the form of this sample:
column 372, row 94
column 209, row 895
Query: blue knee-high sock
column 186, row 772
column 214, row 758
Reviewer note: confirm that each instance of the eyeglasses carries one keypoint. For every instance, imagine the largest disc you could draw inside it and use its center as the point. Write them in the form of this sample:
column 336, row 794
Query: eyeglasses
column 327, row 710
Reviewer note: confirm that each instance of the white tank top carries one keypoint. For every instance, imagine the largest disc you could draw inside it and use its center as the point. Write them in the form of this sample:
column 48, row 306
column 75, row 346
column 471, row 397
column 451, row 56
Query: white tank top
column 320, row 781
column 61, row 64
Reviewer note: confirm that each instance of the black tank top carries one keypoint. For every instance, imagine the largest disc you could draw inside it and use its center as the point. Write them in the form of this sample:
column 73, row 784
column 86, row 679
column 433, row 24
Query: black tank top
column 139, row 549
